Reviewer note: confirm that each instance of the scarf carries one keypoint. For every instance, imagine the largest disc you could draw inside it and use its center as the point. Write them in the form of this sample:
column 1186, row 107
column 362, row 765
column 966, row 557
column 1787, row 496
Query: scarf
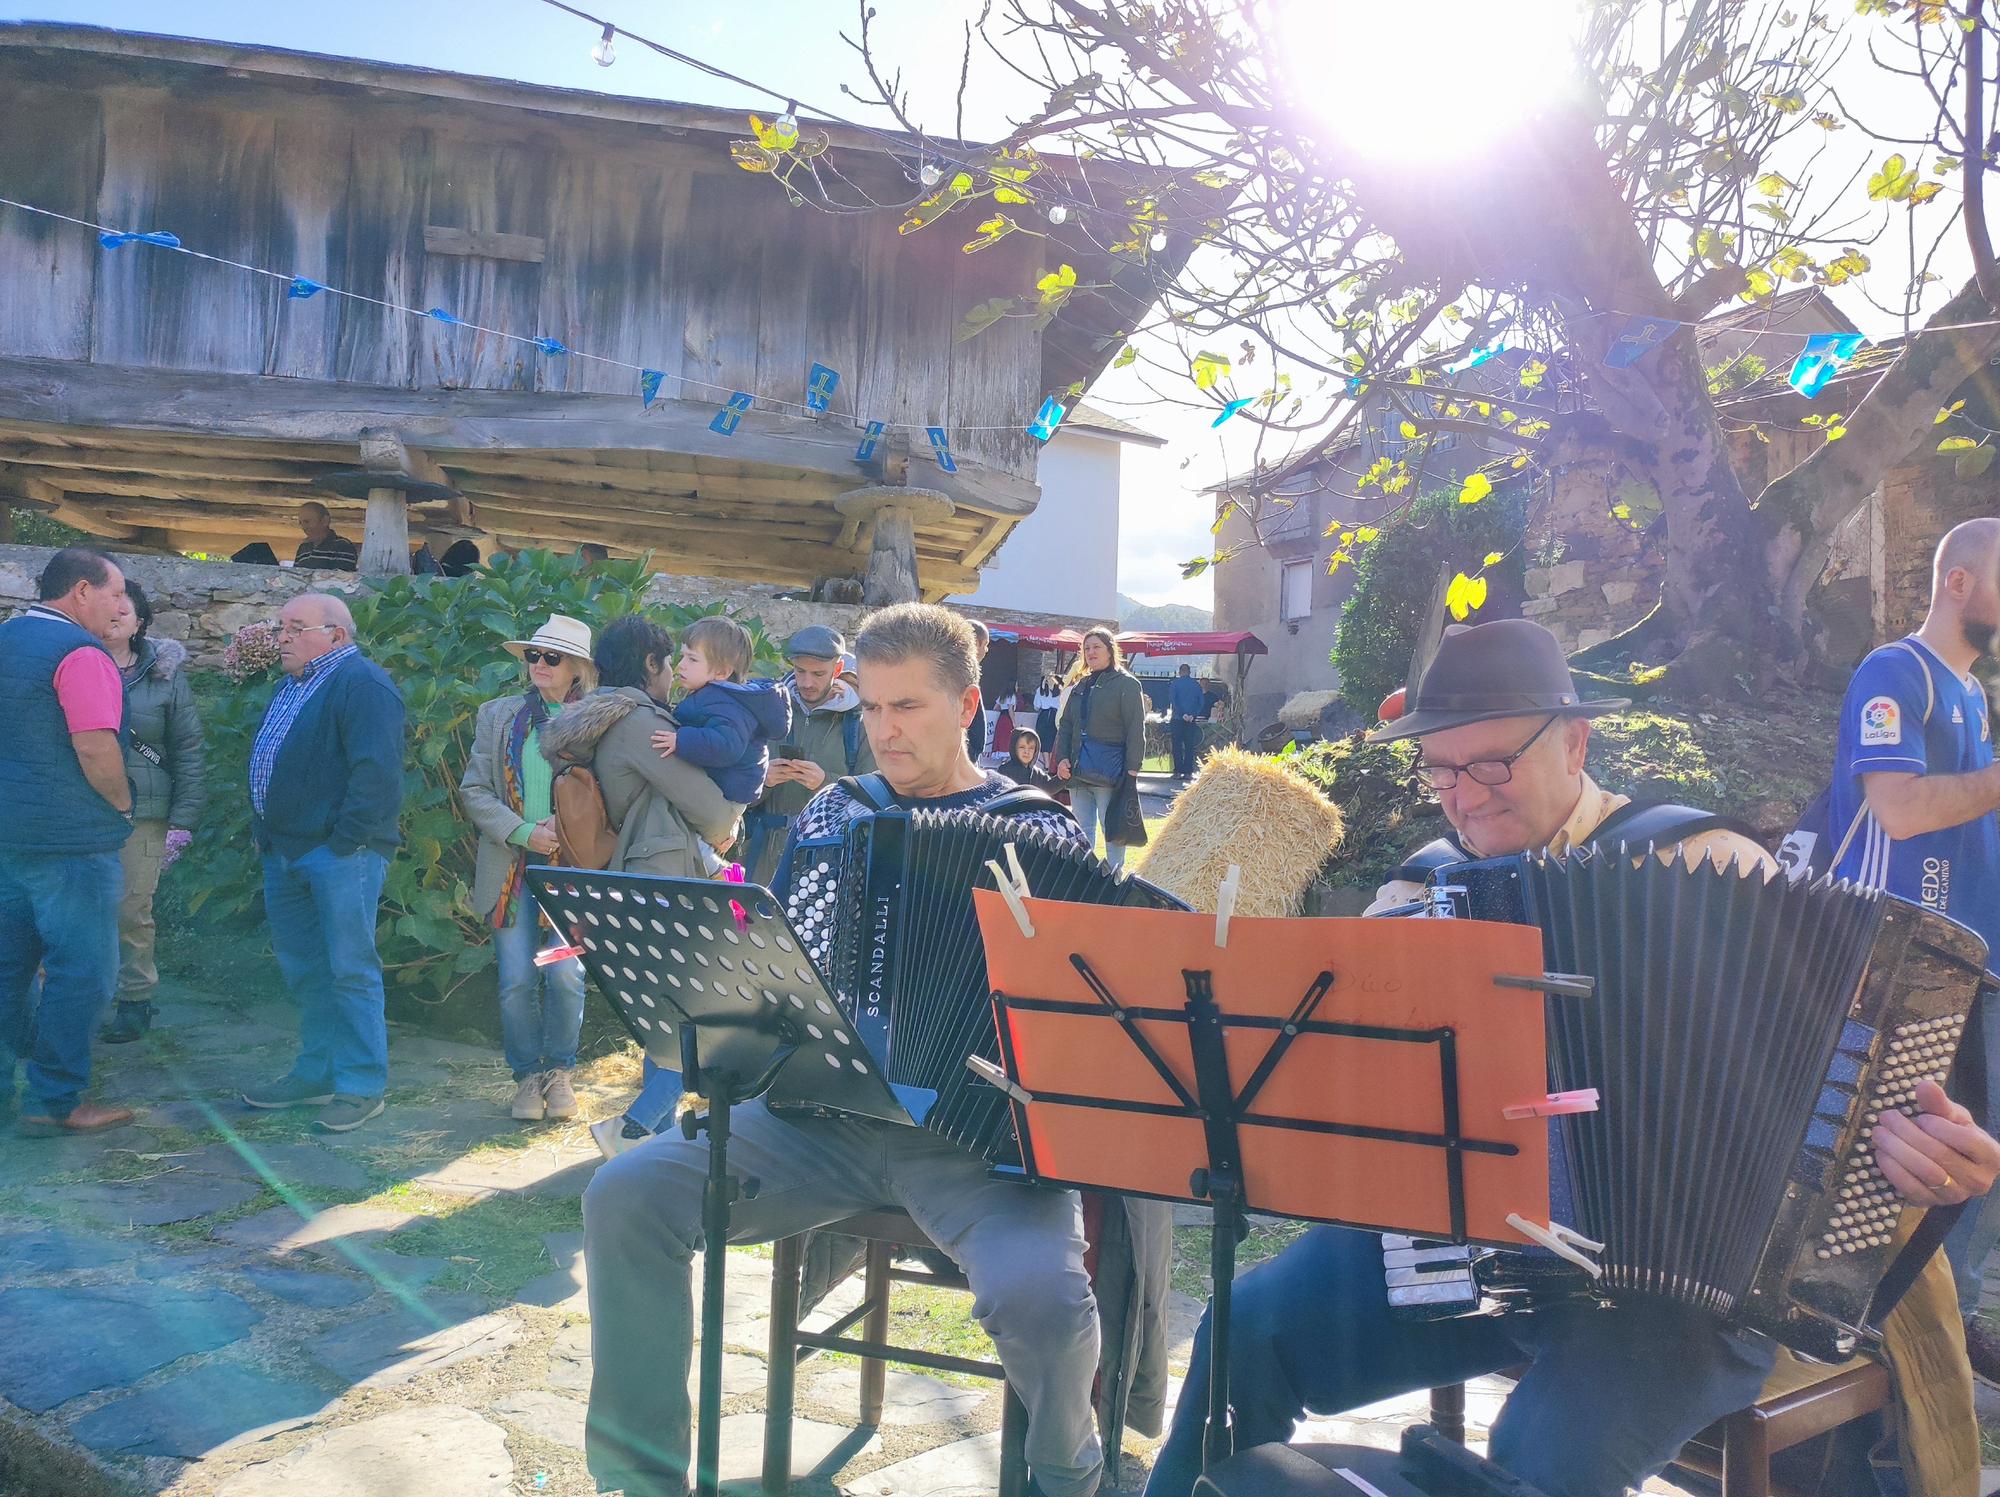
column 528, row 718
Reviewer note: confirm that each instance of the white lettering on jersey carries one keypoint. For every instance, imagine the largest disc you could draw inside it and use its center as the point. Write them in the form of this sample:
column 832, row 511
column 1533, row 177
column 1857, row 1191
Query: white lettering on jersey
column 1881, row 721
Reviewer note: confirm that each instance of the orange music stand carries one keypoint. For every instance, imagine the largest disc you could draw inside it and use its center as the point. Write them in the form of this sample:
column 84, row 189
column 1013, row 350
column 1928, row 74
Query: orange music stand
column 1373, row 1073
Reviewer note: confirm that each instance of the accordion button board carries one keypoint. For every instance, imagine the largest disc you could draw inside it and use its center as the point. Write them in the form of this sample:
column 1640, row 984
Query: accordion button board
column 1748, row 1037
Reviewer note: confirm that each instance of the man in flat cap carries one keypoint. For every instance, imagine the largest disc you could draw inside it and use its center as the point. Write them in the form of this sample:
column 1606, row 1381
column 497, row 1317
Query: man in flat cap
column 1610, row 1395
column 826, row 742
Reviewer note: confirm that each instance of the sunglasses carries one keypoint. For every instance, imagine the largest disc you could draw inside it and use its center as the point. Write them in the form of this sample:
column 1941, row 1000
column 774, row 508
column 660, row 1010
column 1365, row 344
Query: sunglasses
column 543, row 657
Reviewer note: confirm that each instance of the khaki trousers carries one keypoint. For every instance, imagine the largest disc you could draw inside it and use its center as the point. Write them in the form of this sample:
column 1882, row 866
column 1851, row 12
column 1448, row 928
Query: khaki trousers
column 137, row 976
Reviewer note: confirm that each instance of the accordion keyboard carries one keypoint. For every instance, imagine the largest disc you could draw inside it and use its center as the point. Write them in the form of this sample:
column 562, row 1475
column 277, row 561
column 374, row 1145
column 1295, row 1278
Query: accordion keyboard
column 1867, row 1209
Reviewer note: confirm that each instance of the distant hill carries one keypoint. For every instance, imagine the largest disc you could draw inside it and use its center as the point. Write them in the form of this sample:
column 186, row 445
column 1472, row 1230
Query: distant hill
column 1166, row 618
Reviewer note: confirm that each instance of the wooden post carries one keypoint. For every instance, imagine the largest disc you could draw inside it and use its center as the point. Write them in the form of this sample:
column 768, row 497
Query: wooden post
column 385, row 539
column 391, row 476
column 892, row 514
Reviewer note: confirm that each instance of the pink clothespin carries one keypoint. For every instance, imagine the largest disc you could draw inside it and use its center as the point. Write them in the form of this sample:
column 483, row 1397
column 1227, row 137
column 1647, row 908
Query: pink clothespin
column 1555, row 1105
column 733, row 874
column 548, row 956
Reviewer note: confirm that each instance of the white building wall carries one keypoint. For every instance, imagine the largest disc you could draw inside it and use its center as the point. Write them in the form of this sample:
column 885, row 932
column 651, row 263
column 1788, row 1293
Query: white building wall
column 1064, row 557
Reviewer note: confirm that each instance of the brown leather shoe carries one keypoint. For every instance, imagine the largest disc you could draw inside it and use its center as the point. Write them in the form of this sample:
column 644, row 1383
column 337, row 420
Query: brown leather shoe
column 1982, row 1347
column 85, row 1117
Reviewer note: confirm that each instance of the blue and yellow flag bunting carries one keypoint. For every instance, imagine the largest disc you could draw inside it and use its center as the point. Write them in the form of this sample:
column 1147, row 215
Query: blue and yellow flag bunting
column 303, row 287
column 871, row 438
column 1047, row 419
column 1477, row 357
column 649, row 386
column 1823, row 356
column 1638, row 338
column 821, row 382
column 439, row 314
column 1231, row 409
column 942, row 447
column 159, row 236
column 727, row 419
column 551, row 345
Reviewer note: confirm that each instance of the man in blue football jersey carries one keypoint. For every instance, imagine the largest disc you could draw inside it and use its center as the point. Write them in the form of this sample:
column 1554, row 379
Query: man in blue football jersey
column 1913, row 802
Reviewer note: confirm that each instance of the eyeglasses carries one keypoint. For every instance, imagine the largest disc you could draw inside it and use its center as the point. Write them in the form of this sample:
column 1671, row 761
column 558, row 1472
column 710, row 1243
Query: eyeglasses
column 543, row 657
column 1480, row 771
column 293, row 631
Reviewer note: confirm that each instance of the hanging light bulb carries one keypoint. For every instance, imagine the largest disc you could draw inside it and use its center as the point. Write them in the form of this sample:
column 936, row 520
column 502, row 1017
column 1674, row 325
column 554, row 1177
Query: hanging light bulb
column 930, row 174
column 603, row 53
column 1159, row 240
column 1058, row 214
column 787, row 125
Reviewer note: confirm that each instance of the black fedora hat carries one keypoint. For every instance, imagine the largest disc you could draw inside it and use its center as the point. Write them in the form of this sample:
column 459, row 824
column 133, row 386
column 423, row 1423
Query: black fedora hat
column 1508, row 668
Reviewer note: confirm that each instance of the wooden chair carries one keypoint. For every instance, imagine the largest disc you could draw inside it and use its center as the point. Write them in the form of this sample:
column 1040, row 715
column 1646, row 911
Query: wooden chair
column 1738, row 1450
column 884, row 1232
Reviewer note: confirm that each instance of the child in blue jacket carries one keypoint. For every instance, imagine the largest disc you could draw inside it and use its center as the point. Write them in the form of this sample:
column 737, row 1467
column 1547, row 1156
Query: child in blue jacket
column 727, row 723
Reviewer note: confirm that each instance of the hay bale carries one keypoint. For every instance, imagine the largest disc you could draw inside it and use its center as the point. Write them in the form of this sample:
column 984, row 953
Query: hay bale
column 1303, row 709
column 1252, row 811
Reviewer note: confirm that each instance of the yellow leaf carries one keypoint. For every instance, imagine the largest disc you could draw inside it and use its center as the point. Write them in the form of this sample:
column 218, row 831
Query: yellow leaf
column 1492, row 557
column 1477, row 486
column 1956, row 444
column 1365, row 533
column 1409, row 431
column 1475, row 593
column 1457, row 596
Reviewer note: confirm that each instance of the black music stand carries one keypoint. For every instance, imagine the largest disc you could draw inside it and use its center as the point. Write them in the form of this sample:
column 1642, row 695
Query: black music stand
column 1110, row 1065
column 712, row 980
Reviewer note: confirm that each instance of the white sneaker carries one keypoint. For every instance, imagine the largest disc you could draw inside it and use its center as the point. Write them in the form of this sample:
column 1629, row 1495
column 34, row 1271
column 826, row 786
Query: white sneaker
column 610, row 1136
column 529, row 1104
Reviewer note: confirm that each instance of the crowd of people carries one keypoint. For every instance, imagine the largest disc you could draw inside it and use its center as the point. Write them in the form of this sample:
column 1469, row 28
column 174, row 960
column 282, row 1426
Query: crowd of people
column 695, row 765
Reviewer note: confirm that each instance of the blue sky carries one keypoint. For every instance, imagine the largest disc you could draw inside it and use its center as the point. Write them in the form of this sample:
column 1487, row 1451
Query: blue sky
column 795, row 47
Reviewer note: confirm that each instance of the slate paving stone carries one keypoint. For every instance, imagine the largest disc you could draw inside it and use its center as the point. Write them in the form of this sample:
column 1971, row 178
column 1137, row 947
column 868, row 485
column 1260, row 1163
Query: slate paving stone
column 56, row 1250
column 31, row 1161
column 282, row 1229
column 314, row 1291
column 545, row 1415
column 909, row 1398
column 393, row 1345
column 167, row 1265
column 569, row 1360
column 199, row 1412
column 564, row 1286
column 176, row 1196
column 292, row 1165
column 105, row 1336
column 440, row 1450
column 817, row 1449
column 541, row 1172
column 964, row 1468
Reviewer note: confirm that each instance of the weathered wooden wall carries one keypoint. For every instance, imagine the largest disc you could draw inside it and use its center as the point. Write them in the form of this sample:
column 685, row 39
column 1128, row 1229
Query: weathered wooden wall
column 633, row 241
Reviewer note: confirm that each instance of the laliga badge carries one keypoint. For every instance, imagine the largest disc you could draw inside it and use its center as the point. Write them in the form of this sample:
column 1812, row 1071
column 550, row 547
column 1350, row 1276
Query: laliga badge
column 1881, row 721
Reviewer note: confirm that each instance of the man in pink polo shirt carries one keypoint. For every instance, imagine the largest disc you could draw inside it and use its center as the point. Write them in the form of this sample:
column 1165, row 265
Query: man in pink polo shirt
column 62, row 779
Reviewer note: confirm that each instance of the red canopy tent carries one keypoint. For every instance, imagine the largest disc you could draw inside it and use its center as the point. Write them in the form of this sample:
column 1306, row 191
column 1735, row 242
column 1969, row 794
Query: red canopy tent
column 1218, row 642
column 1037, row 636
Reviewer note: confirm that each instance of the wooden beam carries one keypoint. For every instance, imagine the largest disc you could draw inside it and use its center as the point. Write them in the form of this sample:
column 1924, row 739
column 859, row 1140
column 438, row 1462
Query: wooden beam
column 989, row 541
column 528, row 248
column 261, row 407
column 157, row 464
column 87, row 438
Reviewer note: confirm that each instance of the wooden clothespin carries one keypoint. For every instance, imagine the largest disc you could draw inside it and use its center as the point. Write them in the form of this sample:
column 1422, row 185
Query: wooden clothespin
column 1554, row 1105
column 1020, row 873
column 1013, row 895
column 1225, row 903
column 1562, row 1241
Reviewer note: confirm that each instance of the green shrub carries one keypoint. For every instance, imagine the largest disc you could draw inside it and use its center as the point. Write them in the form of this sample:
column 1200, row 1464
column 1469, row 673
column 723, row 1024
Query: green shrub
column 1395, row 574
column 440, row 638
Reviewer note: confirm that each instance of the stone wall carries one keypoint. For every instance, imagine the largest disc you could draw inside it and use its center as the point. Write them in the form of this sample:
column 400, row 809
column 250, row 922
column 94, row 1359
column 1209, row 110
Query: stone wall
column 204, row 603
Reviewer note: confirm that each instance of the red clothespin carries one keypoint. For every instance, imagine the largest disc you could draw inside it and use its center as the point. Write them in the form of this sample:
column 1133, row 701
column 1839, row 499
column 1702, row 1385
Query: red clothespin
column 548, row 956
column 1555, row 1105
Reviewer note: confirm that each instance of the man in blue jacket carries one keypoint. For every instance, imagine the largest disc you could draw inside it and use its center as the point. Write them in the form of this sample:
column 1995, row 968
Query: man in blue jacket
column 326, row 791
column 1187, row 705
column 62, row 780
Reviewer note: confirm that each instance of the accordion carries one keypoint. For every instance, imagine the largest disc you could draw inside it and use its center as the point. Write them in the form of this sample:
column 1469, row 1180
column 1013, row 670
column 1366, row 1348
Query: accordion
column 1745, row 1037
column 887, row 916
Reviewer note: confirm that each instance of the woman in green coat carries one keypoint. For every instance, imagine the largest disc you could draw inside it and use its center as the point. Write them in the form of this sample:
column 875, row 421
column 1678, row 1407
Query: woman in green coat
column 163, row 757
column 1102, row 738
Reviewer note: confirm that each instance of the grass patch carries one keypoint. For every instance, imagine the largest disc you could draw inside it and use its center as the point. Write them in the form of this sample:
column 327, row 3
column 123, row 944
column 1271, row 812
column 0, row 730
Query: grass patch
column 494, row 1246
column 1266, row 1240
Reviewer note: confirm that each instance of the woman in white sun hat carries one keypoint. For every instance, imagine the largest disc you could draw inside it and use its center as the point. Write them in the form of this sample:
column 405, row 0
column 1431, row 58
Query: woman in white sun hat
column 507, row 792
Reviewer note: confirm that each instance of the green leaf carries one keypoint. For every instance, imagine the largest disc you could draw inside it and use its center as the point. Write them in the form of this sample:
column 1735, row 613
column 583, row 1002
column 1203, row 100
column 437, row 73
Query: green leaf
column 1126, row 355
column 983, row 316
column 1475, row 488
column 1195, row 567
column 1773, row 185
column 1972, row 464
column 1894, row 181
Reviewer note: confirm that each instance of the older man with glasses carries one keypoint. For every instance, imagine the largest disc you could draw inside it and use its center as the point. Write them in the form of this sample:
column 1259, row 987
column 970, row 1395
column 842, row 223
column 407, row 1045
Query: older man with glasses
column 326, row 793
column 1609, row 1395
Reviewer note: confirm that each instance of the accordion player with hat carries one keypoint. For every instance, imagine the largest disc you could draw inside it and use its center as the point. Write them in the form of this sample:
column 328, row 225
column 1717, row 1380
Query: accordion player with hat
column 1746, row 1035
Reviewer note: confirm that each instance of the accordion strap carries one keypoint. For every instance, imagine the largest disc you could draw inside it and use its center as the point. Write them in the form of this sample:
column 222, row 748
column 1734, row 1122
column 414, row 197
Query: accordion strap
column 1911, row 1260
column 874, row 792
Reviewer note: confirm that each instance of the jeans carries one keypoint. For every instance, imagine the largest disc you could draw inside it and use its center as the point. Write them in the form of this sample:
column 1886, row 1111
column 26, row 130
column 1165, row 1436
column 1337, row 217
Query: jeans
column 1091, row 803
column 58, row 913
column 541, row 1008
column 1973, row 1238
column 1187, row 740
column 322, row 912
column 659, row 1094
column 1021, row 1248
column 1611, row 1396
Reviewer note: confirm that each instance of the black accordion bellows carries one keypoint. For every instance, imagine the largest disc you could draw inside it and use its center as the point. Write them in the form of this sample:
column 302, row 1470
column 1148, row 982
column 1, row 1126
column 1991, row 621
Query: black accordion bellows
column 1745, row 1036
column 907, row 959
